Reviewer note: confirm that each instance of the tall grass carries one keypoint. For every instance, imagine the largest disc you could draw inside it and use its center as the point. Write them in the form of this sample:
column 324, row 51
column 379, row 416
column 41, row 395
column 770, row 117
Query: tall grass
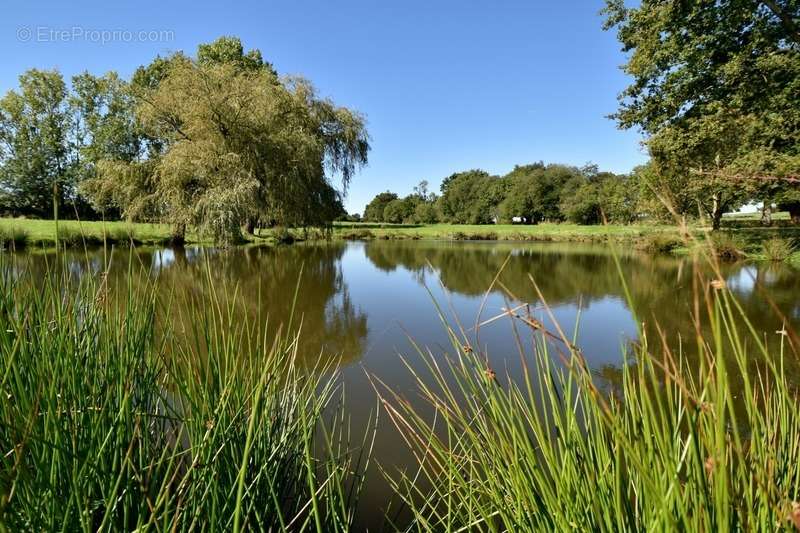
column 13, row 238
column 700, row 435
column 113, row 420
column 777, row 249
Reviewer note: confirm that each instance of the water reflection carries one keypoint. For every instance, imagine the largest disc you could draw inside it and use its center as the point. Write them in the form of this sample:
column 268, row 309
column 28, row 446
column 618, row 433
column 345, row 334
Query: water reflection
column 360, row 301
column 586, row 277
column 261, row 281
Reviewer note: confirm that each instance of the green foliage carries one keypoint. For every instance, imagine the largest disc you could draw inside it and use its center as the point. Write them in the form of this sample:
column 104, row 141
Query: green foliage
column 594, row 198
column 35, row 165
column 777, row 249
column 14, row 238
column 211, row 143
column 373, row 212
column 675, row 441
column 660, row 243
column 471, row 197
column 534, row 192
column 727, row 246
column 395, row 211
column 426, row 213
column 716, row 91
column 117, row 425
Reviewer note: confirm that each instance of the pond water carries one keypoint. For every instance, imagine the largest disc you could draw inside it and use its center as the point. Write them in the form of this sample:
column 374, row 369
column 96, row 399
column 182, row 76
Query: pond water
column 361, row 302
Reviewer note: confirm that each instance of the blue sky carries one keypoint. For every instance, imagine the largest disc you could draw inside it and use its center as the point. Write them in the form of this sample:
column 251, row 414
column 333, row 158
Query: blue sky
column 445, row 85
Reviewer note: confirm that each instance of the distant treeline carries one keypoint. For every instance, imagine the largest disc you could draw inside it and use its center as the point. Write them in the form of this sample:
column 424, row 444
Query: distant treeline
column 528, row 194
column 537, row 192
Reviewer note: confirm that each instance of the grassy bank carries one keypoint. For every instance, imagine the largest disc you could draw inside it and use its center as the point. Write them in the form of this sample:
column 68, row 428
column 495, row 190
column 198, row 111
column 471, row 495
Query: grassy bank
column 699, row 435
column 21, row 232
column 505, row 232
column 114, row 421
column 33, row 232
column 750, row 240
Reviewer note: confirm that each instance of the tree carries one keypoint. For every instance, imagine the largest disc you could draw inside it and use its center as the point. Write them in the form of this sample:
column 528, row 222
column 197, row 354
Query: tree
column 398, row 211
column 373, row 212
column 231, row 143
column 534, row 192
column 104, row 127
column 421, row 191
column 35, row 164
column 597, row 197
column 716, row 91
column 471, row 197
column 426, row 213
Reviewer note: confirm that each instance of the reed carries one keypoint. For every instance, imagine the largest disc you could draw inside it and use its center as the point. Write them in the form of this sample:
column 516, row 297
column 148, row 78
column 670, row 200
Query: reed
column 777, row 249
column 112, row 419
column 697, row 435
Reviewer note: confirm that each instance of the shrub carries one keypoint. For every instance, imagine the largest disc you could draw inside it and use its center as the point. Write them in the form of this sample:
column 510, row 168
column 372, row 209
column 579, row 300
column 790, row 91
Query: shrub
column 13, row 238
column 124, row 235
column 659, row 243
column 727, row 247
column 777, row 249
column 357, row 235
column 69, row 237
column 282, row 235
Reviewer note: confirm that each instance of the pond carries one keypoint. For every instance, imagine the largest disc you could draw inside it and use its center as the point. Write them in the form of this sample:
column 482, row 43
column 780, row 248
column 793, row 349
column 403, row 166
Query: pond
column 363, row 302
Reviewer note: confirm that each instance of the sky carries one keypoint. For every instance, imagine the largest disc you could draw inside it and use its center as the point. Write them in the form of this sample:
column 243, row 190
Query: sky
column 445, row 85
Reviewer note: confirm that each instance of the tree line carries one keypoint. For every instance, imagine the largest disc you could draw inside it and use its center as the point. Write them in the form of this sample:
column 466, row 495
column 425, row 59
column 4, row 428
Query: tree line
column 219, row 141
column 715, row 93
column 215, row 142
column 528, row 194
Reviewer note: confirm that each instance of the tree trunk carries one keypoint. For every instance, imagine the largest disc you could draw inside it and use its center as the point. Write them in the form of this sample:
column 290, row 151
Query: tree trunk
column 178, row 237
column 766, row 213
column 716, row 213
column 250, row 226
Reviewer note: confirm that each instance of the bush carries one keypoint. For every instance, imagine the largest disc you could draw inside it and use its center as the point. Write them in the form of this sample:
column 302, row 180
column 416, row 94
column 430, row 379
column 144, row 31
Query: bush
column 13, row 238
column 461, row 236
column 282, row 236
column 124, row 235
column 357, row 235
column 426, row 213
column 777, row 249
column 727, row 247
column 659, row 243
column 73, row 238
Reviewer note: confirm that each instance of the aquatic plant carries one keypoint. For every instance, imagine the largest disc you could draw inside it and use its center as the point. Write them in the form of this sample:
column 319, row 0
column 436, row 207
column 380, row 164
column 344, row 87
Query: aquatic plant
column 111, row 419
column 692, row 435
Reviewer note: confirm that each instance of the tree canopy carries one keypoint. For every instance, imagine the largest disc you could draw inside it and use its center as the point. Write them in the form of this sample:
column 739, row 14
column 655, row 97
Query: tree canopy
column 215, row 142
column 716, row 91
column 529, row 194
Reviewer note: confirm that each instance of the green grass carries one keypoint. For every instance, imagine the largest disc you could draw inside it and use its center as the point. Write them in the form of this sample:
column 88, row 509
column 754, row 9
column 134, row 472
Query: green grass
column 111, row 420
column 510, row 232
column 694, row 435
column 74, row 233
column 43, row 232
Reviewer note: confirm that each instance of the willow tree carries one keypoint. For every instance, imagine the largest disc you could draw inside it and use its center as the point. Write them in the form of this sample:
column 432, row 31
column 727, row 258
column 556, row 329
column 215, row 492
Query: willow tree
column 716, row 91
column 236, row 144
